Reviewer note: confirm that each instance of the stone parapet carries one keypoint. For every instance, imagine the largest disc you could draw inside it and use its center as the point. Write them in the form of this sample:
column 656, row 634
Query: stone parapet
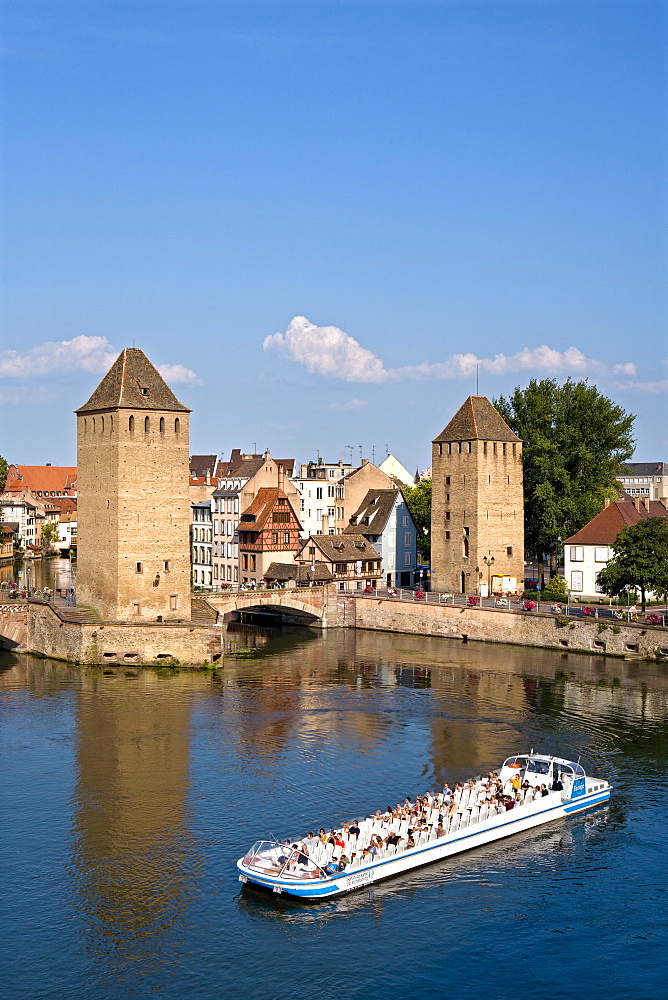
column 515, row 628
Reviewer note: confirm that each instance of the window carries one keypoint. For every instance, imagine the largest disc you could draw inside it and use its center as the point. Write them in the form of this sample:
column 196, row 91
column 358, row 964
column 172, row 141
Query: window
column 147, row 424
column 407, row 558
column 252, row 563
column 274, row 538
column 166, row 565
column 286, row 537
column 139, row 567
column 330, row 491
column 162, row 425
column 281, row 517
column 101, row 428
column 447, row 515
column 405, row 522
column 470, row 444
column 465, row 547
column 447, row 536
column 332, row 473
column 408, row 538
column 509, row 550
column 244, row 561
column 302, row 505
column 318, row 493
column 601, row 554
column 504, row 449
column 173, row 602
column 447, row 480
column 576, row 581
column 136, row 608
column 311, row 550
column 177, row 426
column 447, row 498
column 577, row 554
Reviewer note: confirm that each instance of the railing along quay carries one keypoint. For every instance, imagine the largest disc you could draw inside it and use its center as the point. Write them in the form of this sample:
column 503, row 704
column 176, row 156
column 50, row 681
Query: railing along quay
column 596, row 612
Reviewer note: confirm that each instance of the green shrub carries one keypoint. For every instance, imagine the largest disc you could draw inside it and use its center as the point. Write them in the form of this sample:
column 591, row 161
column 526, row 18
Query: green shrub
column 602, row 627
column 561, row 621
column 616, row 629
column 555, row 589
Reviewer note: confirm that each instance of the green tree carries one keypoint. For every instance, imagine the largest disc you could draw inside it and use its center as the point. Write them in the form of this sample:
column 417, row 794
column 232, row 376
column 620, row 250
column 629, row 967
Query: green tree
column 50, row 534
column 640, row 561
column 3, row 473
column 418, row 501
column 575, row 441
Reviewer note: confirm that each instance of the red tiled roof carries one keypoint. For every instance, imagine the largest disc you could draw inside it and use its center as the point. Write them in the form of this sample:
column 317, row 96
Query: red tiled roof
column 67, row 505
column 604, row 528
column 262, row 507
column 43, row 479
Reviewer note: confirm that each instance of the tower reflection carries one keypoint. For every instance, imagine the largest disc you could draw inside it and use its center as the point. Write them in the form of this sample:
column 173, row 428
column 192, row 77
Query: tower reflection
column 136, row 860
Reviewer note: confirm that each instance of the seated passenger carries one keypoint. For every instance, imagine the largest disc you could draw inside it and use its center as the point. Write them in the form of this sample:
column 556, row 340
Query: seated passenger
column 393, row 839
column 343, row 862
column 543, row 790
column 309, row 842
column 354, row 830
column 440, row 832
column 369, row 853
column 409, row 840
column 322, row 836
column 509, row 803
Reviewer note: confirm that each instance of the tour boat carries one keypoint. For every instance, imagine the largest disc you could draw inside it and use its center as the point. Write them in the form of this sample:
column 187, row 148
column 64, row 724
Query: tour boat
column 541, row 788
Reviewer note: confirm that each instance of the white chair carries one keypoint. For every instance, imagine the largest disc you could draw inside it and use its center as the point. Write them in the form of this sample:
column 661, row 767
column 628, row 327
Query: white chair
column 454, row 825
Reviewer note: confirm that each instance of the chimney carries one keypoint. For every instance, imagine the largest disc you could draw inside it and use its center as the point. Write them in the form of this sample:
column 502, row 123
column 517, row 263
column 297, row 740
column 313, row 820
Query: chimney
column 636, row 503
column 606, row 504
column 48, row 463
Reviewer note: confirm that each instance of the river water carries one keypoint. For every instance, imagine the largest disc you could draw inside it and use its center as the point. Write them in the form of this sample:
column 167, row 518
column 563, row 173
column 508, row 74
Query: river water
column 128, row 797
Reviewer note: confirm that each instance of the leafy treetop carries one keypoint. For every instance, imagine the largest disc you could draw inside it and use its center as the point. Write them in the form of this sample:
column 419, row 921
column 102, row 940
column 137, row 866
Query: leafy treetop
column 418, row 501
column 575, row 441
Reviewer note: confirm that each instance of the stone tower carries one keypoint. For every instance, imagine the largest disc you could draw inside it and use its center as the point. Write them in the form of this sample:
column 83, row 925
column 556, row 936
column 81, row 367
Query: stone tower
column 133, row 558
column 477, row 514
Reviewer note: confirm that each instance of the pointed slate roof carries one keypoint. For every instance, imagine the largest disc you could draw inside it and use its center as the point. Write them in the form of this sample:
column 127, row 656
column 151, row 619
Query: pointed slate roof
column 477, row 419
column 132, row 383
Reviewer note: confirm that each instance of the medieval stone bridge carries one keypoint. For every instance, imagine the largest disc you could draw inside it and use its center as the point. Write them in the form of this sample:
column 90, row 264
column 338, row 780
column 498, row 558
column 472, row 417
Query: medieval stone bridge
column 314, row 606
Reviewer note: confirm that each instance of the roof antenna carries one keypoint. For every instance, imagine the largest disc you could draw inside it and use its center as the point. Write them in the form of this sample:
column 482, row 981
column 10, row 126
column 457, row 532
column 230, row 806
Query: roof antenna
column 352, row 448
column 373, row 454
column 133, row 343
column 387, row 451
column 477, row 388
column 360, row 448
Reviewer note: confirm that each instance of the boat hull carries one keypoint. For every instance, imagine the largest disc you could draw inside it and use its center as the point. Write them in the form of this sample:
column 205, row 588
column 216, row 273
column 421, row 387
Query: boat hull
column 525, row 817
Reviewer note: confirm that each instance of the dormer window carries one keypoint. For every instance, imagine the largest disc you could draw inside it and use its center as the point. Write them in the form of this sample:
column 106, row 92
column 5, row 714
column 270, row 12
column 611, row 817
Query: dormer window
column 144, row 392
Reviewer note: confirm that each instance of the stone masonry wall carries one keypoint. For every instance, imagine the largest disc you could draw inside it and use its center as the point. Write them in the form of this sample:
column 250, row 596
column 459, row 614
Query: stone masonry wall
column 524, row 629
column 477, row 497
column 118, row 642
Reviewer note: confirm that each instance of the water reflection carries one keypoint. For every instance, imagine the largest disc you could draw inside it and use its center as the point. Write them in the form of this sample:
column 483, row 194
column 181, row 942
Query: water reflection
column 136, row 861
column 178, row 772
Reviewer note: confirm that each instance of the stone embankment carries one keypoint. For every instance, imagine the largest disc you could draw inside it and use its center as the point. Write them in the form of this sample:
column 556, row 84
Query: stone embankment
column 13, row 624
column 75, row 634
column 513, row 627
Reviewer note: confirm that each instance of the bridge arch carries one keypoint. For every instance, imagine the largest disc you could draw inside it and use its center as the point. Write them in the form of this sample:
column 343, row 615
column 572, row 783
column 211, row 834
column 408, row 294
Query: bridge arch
column 256, row 607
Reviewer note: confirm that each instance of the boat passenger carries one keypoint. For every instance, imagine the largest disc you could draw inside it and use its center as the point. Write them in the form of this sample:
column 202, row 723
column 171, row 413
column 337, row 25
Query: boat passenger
column 509, row 803
column 440, row 832
column 409, row 840
column 393, row 840
column 557, row 785
column 343, row 862
column 322, row 836
column 543, row 790
column 354, row 830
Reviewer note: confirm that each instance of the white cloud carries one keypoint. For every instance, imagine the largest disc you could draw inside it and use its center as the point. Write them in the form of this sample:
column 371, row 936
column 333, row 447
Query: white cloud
column 352, row 404
column 652, row 388
column 178, row 373
column 82, row 353
column 327, row 350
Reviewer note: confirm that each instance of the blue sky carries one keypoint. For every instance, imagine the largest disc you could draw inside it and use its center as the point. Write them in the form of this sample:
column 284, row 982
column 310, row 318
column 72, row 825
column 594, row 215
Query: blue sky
column 320, row 215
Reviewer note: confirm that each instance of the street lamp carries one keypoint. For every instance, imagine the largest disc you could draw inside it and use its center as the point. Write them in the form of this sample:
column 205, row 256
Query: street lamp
column 489, row 562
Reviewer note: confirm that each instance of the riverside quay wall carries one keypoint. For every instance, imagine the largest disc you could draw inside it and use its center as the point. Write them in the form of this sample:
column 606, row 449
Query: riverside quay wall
column 50, row 633
column 515, row 628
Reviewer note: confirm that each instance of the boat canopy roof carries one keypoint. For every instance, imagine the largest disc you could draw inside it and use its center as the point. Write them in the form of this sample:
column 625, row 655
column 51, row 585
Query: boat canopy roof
column 540, row 763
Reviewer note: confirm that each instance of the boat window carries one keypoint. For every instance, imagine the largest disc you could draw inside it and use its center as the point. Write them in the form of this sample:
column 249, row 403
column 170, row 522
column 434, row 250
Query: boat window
column 539, row 766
